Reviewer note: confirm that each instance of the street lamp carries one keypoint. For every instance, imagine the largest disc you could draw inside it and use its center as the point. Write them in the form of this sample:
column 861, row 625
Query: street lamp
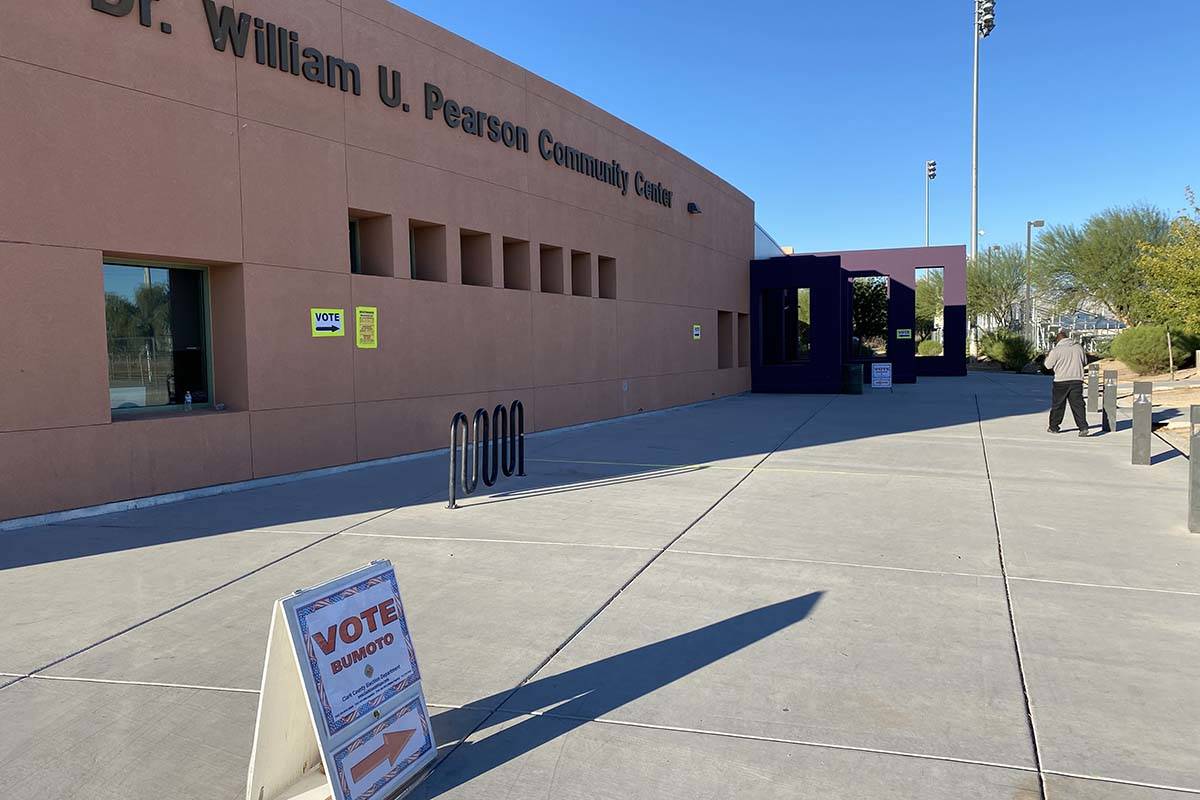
column 993, row 249
column 1029, row 226
column 930, row 174
column 985, row 22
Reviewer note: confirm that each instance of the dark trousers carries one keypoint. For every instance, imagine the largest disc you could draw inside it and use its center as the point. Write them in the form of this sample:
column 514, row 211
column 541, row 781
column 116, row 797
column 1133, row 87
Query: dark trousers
column 1068, row 392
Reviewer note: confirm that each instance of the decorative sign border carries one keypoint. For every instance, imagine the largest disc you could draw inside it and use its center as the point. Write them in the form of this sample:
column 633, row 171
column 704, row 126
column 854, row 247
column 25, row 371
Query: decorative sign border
column 334, row 725
column 400, row 766
column 880, row 372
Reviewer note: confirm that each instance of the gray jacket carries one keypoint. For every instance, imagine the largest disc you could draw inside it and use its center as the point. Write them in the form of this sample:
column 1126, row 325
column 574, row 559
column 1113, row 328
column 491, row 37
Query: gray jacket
column 1068, row 361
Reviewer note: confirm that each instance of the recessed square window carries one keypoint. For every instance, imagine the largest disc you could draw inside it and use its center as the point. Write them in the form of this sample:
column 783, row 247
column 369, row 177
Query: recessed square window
column 156, row 320
column 476, row 250
column 743, row 340
column 581, row 273
column 371, row 244
column 516, row 264
column 724, row 339
column 552, row 269
column 608, row 277
column 427, row 250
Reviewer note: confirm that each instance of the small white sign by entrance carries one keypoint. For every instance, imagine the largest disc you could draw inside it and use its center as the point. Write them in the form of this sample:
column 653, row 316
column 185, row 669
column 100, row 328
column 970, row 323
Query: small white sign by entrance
column 881, row 376
column 341, row 713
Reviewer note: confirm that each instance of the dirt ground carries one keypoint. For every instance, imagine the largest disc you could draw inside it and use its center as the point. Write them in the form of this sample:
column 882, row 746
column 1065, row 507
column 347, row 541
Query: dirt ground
column 1172, row 410
column 1177, row 438
column 1126, row 375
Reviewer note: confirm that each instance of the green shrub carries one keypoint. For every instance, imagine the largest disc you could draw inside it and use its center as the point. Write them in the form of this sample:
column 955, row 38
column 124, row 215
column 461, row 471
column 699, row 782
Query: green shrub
column 1101, row 348
column 1144, row 349
column 929, row 348
column 1008, row 348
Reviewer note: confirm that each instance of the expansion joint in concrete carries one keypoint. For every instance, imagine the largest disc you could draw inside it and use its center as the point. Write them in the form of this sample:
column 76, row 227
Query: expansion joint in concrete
column 638, row 573
column 34, row 673
column 1012, row 620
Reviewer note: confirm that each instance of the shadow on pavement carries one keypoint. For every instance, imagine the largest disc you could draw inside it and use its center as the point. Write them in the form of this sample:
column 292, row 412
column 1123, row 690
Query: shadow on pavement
column 638, row 448
column 522, row 493
column 1165, row 456
column 585, row 693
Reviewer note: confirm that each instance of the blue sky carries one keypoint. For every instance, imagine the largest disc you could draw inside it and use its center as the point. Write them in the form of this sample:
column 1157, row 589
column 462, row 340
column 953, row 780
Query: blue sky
column 824, row 112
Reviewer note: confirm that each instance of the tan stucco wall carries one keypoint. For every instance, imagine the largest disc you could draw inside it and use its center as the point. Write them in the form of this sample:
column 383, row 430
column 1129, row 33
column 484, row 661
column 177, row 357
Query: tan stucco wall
column 122, row 140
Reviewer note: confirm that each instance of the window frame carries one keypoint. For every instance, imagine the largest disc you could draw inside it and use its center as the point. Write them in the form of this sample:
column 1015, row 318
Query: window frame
column 888, row 354
column 206, row 299
column 788, row 297
column 355, row 246
column 917, row 278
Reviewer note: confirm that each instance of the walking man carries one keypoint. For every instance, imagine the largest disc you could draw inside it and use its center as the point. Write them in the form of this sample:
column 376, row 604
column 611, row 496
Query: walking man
column 1068, row 361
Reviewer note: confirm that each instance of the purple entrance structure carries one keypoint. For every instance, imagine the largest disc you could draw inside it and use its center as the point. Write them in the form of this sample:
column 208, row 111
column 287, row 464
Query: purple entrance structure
column 803, row 317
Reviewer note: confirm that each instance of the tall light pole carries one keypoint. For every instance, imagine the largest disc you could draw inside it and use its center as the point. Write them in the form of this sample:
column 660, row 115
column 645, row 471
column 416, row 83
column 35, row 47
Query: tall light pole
column 1029, row 226
column 985, row 21
column 930, row 174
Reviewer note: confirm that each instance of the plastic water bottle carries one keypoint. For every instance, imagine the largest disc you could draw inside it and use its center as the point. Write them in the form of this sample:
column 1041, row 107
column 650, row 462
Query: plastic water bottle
column 187, row 401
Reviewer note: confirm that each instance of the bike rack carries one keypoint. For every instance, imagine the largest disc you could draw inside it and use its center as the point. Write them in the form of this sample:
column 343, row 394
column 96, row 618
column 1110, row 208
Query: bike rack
column 497, row 445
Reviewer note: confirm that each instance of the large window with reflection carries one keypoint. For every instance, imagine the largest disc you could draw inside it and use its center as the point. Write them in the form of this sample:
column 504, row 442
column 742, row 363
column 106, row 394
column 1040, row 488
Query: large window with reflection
column 156, row 319
column 931, row 311
column 787, row 322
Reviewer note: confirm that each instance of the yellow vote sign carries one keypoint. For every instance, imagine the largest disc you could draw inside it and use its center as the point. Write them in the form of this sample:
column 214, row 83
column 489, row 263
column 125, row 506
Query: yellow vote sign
column 327, row 322
column 366, row 327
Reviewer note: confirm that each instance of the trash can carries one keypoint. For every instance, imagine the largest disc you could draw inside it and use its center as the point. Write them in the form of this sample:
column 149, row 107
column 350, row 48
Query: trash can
column 852, row 379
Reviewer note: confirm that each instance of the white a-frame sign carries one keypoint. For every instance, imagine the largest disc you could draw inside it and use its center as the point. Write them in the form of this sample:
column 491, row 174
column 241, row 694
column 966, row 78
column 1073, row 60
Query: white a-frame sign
column 342, row 714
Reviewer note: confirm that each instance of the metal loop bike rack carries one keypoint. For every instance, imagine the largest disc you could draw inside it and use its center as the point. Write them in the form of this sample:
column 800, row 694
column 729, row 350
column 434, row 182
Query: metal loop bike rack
column 496, row 444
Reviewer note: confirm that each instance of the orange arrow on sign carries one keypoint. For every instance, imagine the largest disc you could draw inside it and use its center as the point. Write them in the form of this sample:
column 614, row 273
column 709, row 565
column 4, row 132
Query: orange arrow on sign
column 390, row 750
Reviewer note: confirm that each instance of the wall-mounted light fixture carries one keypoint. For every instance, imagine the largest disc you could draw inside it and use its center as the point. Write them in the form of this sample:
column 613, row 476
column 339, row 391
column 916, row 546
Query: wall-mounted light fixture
column 693, row 208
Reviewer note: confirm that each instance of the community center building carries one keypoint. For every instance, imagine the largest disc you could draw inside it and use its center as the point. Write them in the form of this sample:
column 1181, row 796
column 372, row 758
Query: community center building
column 244, row 240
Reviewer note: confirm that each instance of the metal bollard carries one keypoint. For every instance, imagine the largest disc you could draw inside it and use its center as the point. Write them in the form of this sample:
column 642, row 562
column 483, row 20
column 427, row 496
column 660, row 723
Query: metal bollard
column 1194, row 470
column 1110, row 401
column 1143, row 422
column 1093, row 399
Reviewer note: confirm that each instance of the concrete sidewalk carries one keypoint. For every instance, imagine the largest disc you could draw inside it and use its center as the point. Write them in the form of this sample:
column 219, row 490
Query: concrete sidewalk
column 918, row 594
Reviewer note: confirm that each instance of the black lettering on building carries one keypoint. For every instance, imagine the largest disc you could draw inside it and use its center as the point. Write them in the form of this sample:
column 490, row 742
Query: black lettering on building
column 279, row 48
column 314, row 65
column 228, row 28
column 468, row 120
column 117, row 8
column 389, row 93
column 335, row 66
column 571, row 158
column 433, row 100
column 474, row 121
column 282, row 49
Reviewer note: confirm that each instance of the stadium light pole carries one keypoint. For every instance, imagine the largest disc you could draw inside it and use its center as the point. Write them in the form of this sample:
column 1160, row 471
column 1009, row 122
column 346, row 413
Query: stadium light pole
column 985, row 22
column 1029, row 226
column 930, row 174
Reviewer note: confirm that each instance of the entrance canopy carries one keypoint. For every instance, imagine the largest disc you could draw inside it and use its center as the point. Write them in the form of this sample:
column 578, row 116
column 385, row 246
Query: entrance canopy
column 811, row 315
